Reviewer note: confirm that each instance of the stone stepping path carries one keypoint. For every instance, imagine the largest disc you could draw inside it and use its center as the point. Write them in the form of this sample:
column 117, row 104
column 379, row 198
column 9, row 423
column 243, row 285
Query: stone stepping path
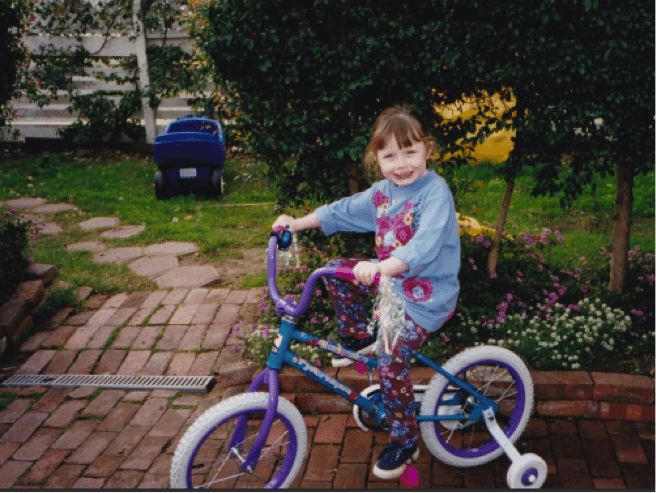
column 158, row 261
column 123, row 232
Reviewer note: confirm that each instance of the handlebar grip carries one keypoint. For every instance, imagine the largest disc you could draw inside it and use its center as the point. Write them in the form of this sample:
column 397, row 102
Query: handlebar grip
column 347, row 273
column 284, row 237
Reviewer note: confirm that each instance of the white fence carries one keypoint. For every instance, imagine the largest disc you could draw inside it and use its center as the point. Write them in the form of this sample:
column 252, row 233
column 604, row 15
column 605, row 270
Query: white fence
column 32, row 121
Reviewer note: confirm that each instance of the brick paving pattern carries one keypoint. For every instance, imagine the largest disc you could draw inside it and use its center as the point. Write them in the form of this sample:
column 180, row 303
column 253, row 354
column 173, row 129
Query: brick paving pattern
column 90, row 438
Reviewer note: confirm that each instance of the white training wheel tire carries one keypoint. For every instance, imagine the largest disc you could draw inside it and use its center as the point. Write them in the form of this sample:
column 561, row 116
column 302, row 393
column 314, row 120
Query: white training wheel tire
column 527, row 472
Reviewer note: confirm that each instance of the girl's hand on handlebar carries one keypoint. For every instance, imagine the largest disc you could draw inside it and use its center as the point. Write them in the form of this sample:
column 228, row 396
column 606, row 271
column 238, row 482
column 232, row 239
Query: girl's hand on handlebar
column 296, row 224
column 284, row 222
column 365, row 272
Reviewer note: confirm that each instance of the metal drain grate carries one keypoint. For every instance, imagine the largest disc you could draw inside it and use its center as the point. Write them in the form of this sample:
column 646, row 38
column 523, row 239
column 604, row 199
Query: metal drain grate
column 125, row 382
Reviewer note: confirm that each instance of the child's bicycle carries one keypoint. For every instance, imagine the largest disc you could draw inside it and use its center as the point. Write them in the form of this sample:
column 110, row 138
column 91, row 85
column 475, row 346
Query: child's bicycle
column 472, row 411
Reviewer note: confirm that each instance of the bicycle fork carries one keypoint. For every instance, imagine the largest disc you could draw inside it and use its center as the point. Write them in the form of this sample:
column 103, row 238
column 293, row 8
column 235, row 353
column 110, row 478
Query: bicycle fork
column 269, row 377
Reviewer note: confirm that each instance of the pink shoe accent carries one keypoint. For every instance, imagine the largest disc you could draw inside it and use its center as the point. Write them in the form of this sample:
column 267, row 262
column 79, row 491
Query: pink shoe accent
column 410, row 477
column 360, row 367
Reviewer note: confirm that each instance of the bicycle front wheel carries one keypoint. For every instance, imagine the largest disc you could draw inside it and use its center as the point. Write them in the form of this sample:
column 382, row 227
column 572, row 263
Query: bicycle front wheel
column 498, row 374
column 205, row 459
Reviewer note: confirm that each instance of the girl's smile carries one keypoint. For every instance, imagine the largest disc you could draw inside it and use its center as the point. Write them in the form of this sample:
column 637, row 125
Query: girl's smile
column 402, row 166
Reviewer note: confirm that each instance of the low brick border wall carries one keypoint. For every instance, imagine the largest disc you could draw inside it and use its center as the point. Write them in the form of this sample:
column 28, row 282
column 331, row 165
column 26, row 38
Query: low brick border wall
column 16, row 314
column 579, row 394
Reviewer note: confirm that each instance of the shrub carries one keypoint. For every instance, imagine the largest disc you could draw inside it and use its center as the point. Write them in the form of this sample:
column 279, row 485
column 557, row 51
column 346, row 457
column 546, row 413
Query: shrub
column 585, row 335
column 12, row 53
column 13, row 245
column 538, row 309
column 57, row 299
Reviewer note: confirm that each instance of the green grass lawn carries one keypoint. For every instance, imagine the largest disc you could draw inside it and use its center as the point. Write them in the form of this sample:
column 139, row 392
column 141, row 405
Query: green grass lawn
column 587, row 226
column 120, row 185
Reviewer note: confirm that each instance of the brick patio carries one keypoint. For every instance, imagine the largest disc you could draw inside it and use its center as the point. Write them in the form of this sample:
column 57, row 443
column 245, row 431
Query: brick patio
column 593, row 430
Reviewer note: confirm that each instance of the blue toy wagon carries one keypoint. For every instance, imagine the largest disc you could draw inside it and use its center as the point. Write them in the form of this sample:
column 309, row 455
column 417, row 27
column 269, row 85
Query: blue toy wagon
column 190, row 155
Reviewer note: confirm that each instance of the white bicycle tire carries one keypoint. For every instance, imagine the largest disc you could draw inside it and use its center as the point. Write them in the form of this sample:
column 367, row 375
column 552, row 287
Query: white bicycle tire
column 438, row 385
column 197, row 432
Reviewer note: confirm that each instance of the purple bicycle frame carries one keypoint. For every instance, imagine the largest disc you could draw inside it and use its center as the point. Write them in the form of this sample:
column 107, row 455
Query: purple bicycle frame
column 270, row 376
column 287, row 307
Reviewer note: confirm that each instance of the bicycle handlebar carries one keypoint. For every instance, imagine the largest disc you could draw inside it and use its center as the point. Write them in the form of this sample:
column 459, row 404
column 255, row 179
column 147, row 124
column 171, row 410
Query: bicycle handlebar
column 289, row 307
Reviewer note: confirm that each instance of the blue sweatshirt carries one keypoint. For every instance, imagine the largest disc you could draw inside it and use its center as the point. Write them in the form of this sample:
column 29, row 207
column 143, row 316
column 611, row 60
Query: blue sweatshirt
column 417, row 224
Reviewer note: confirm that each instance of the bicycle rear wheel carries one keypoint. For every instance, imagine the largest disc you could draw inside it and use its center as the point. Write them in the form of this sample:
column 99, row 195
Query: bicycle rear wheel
column 496, row 373
column 204, row 458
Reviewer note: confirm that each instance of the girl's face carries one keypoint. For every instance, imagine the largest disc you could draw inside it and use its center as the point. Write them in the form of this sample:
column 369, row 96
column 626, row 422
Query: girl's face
column 402, row 166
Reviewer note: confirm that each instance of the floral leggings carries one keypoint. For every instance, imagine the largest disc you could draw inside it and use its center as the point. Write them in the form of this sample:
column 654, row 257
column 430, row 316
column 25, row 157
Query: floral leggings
column 394, row 370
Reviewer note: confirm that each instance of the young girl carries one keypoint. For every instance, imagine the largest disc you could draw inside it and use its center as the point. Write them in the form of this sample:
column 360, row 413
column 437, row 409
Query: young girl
column 412, row 214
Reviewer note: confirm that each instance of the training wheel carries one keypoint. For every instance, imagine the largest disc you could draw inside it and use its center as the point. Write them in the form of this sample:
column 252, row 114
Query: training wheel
column 529, row 471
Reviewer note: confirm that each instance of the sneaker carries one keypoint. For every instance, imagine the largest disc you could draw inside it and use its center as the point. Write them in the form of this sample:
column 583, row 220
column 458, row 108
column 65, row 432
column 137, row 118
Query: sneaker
column 393, row 460
column 362, row 346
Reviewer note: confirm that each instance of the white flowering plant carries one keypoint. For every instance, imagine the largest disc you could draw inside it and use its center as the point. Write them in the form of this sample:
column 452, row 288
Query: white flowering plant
column 585, row 335
column 527, row 293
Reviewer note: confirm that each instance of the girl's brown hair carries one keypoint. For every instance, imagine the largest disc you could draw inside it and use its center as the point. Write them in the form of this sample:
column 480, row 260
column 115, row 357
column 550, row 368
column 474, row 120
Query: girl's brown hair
column 401, row 123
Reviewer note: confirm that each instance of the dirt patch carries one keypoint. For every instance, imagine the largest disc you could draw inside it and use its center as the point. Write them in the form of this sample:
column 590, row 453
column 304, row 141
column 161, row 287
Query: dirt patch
column 232, row 270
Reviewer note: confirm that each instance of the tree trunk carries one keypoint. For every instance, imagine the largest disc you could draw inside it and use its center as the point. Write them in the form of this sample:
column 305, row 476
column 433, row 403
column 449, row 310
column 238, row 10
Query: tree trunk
column 493, row 257
column 621, row 229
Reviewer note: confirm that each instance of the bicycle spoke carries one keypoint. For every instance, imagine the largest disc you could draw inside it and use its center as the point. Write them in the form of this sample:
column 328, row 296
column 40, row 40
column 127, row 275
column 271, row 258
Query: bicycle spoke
column 235, row 459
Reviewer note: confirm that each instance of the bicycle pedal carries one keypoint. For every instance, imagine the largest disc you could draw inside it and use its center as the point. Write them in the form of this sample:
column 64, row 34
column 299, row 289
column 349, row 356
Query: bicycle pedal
column 410, row 477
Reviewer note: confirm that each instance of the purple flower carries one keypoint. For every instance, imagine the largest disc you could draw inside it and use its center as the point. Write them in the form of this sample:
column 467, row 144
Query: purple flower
column 493, row 275
column 509, row 297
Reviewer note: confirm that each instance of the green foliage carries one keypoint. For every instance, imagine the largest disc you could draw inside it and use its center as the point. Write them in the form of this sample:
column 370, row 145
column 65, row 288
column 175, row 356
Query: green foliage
column 101, row 118
column 527, row 291
column 13, row 245
column 11, row 51
column 57, row 299
column 582, row 72
column 584, row 335
column 171, row 70
column 307, row 80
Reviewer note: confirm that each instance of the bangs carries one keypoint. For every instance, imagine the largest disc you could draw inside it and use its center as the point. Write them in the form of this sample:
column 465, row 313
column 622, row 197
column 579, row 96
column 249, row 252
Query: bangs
column 406, row 132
